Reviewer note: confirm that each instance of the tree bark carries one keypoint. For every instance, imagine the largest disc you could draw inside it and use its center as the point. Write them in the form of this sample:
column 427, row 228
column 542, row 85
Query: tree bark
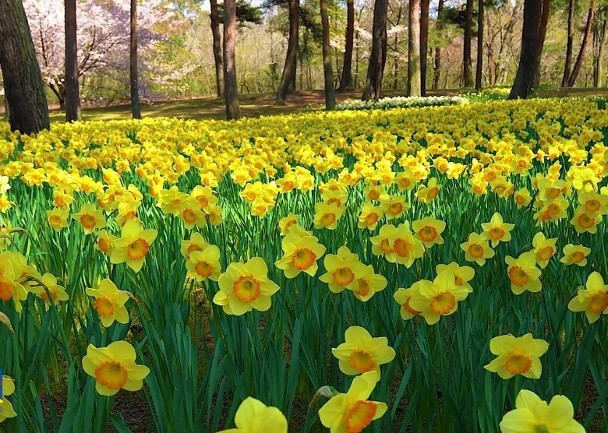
column 346, row 81
column 598, row 53
column 424, row 43
column 569, row 43
column 330, row 91
column 72, row 93
column 217, row 47
column 396, row 49
column 231, row 96
column 545, row 8
column 23, row 85
column 135, row 106
column 377, row 58
column 581, row 53
column 479, row 65
column 289, row 70
column 467, row 60
column 437, row 61
column 532, row 41
column 413, row 49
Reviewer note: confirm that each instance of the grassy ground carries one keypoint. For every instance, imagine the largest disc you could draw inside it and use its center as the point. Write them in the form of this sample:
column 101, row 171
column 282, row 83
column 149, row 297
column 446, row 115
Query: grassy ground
column 263, row 105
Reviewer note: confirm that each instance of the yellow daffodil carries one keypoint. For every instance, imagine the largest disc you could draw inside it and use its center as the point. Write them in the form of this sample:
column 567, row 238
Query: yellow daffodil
column 405, row 247
column 380, row 243
column 90, row 218
column 56, row 291
column 110, row 303
column 300, row 254
column 195, row 243
column 172, row 201
column 105, row 242
column 6, row 408
column 133, row 245
column 593, row 300
column 544, row 249
column 361, row 352
column 10, row 289
column 533, row 415
column 327, row 215
column 428, row 230
column 253, row 416
column 522, row 197
column 517, row 355
column 393, row 205
column 58, row 218
column 523, row 273
column 343, row 270
column 437, row 298
column 402, row 297
column 370, row 216
column 351, row 412
column 585, row 222
column 369, row 284
column 462, row 274
column 285, row 223
column 497, row 230
column 575, row 255
column 244, row 287
column 114, row 368
column 476, row 249
column 427, row 193
column 204, row 264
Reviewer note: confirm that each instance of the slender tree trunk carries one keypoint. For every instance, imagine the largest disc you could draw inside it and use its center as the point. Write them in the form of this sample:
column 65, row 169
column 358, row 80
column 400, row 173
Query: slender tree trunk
column 377, row 58
column 424, row 43
column 467, row 60
column 23, row 85
column 396, row 48
column 330, row 91
column 581, row 53
column 72, row 94
column 569, row 43
column 231, row 96
column 545, row 8
column 291, row 59
column 531, row 48
column 437, row 61
column 346, row 81
column 135, row 107
column 217, row 47
column 479, row 65
column 598, row 55
column 413, row 49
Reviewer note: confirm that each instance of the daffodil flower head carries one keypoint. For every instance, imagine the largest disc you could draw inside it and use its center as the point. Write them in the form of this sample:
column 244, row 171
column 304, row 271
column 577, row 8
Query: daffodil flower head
column 351, row 412
column 593, row 299
column 361, row 352
column 517, row 355
column 533, row 415
column 253, row 416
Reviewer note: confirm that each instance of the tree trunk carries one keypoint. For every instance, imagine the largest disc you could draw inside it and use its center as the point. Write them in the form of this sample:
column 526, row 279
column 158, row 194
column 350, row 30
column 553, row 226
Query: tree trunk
column 467, row 60
column 479, row 65
column 135, row 107
column 424, row 43
column 598, row 53
column 231, row 96
column 437, row 61
column 23, row 84
column 72, row 94
column 413, row 49
column 581, row 53
column 545, row 8
column 569, row 42
column 291, row 59
column 396, row 49
column 217, row 47
column 346, row 82
column 377, row 58
column 330, row 91
column 531, row 48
